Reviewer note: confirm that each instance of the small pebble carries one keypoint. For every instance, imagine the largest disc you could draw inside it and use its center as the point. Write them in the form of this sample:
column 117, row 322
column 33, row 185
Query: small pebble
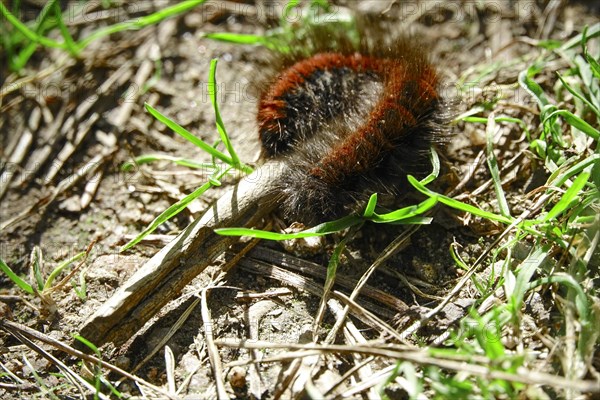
column 237, row 378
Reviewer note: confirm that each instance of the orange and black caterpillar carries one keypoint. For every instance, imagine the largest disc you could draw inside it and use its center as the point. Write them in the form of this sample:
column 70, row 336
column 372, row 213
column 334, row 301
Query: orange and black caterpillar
column 349, row 118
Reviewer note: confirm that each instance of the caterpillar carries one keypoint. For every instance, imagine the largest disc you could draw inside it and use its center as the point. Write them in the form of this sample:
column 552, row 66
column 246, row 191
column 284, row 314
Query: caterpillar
column 348, row 117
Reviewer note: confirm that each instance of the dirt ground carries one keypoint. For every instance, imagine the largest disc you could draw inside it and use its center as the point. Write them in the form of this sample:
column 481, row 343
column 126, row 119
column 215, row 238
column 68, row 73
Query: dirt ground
column 63, row 114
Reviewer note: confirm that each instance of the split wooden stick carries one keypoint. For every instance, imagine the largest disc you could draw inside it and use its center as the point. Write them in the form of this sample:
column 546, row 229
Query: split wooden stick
column 162, row 277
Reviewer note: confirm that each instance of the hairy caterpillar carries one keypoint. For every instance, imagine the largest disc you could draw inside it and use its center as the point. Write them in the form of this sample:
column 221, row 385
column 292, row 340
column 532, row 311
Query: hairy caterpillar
column 348, row 117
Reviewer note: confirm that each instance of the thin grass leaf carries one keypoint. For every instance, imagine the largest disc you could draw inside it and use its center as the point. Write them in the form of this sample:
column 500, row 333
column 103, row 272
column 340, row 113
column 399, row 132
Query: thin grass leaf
column 589, row 33
column 25, row 54
column 141, row 22
column 588, row 66
column 457, row 258
column 468, row 116
column 549, row 44
column 149, row 158
column 70, row 45
column 42, row 385
column 416, row 220
column 577, row 122
column 559, row 177
column 273, row 40
column 405, row 212
column 332, row 266
column 513, row 120
column 28, row 33
column 578, row 95
column 61, row 267
column 173, row 210
column 15, row 278
column 187, row 135
column 112, row 387
column 287, row 10
column 237, row 38
column 98, row 366
column 89, row 345
column 569, row 197
column 558, row 141
column 18, row 63
column 492, row 162
column 532, row 87
column 37, row 260
column 489, row 337
column 319, row 230
column 595, row 66
column 435, row 164
column 457, row 204
column 370, row 208
column 81, row 290
column 324, row 4
column 523, row 275
column 212, row 92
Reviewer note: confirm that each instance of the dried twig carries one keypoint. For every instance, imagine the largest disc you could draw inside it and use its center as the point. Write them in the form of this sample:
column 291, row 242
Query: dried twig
column 172, row 268
column 213, row 352
column 24, row 331
column 475, row 365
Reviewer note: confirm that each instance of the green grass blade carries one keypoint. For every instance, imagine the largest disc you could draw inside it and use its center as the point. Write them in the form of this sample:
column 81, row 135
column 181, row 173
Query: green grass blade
column 43, row 388
column 237, row 38
column 141, row 22
column 416, row 220
column 36, row 265
column 492, row 162
column 532, row 87
column 112, row 387
column 578, row 95
column 457, row 204
column 595, row 66
column 68, row 39
column 61, row 267
column 332, row 265
column 370, row 208
column 28, row 33
column 89, row 344
column 523, row 275
column 319, row 230
column 558, row 178
column 567, row 280
column 149, row 158
column 80, row 290
column 483, row 120
column 405, row 212
column 173, row 210
column 589, row 33
column 187, row 135
column 212, row 92
column 435, row 163
column 569, row 197
column 25, row 54
column 576, row 122
column 15, row 278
